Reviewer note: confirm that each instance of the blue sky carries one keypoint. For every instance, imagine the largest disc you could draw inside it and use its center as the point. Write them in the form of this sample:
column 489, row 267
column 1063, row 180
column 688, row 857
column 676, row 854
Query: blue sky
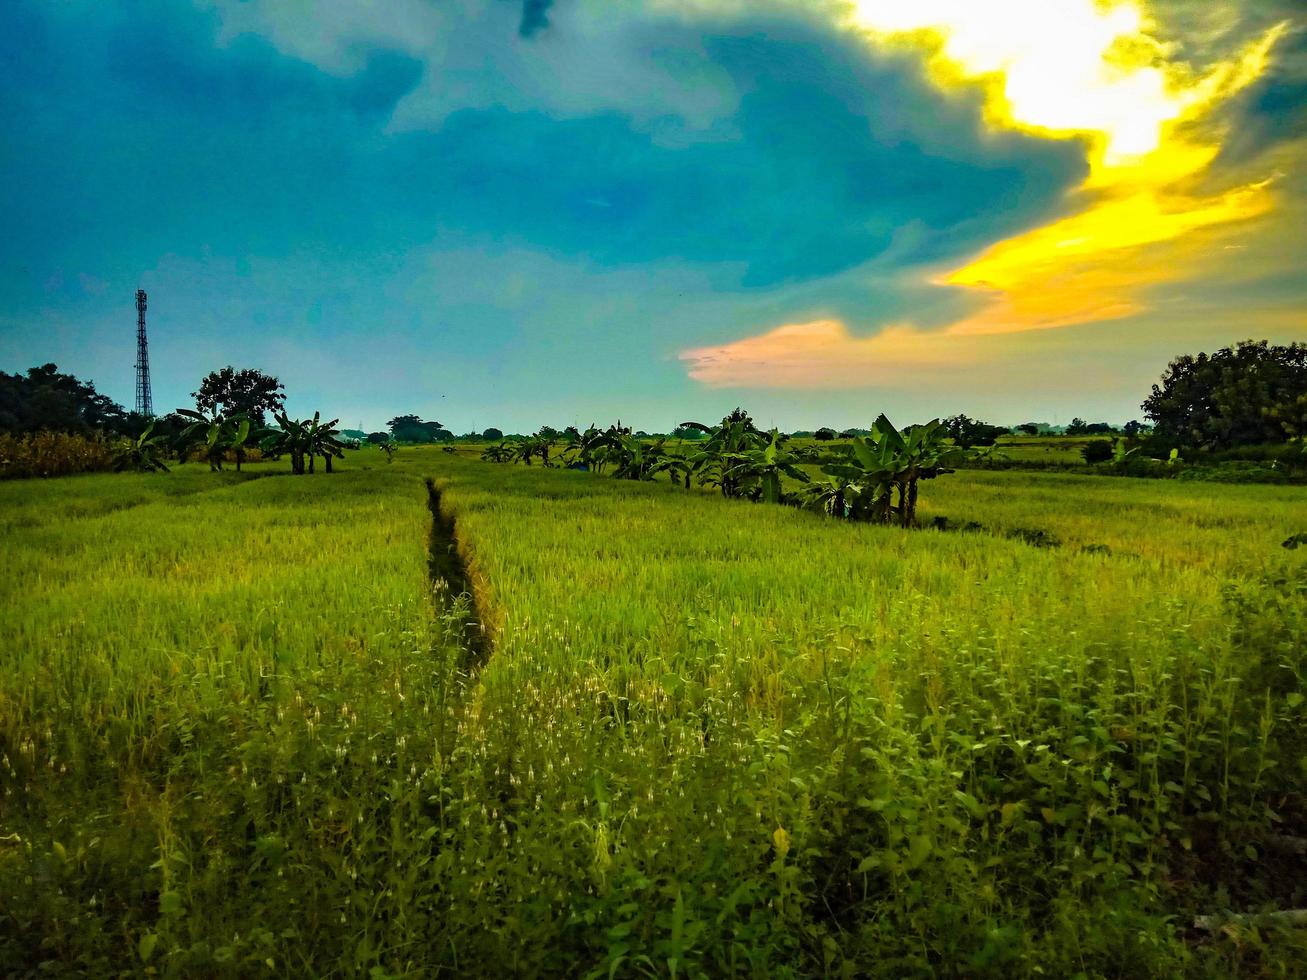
column 497, row 213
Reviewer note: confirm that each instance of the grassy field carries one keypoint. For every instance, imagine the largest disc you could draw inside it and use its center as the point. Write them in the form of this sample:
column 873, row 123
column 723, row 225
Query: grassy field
column 246, row 730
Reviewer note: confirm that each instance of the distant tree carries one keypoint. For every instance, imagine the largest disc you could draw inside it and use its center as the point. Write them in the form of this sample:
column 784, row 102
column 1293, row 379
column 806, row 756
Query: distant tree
column 246, row 392
column 1133, row 428
column 685, row 432
column 45, row 399
column 967, row 432
column 1077, row 427
column 850, row 433
column 824, row 434
column 1028, row 429
column 411, row 428
column 377, row 438
column 1244, row 395
column 1097, row 429
column 571, row 433
column 492, row 435
column 548, row 432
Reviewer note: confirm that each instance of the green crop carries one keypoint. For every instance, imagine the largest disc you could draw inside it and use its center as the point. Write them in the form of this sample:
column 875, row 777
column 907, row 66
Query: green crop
column 255, row 725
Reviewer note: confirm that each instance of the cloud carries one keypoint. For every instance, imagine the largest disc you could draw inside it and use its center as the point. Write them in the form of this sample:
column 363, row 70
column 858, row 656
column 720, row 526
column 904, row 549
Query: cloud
column 595, row 56
column 1150, row 213
column 823, row 355
column 535, row 16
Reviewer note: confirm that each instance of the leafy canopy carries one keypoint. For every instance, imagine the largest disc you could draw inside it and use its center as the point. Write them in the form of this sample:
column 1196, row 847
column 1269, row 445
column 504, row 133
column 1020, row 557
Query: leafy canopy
column 45, row 399
column 1244, row 395
column 247, row 392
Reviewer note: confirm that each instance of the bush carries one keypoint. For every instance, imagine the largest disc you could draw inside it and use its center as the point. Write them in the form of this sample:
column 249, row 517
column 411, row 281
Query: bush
column 1097, row 451
column 52, row 454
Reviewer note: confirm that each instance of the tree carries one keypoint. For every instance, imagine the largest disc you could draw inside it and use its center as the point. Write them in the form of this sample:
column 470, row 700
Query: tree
column 46, row 399
column 377, row 438
column 967, row 432
column 1028, row 428
column 1077, row 427
column 492, row 435
column 1133, row 429
column 824, row 434
column 870, row 470
column 685, row 432
column 411, row 428
column 247, row 392
column 1097, row 451
column 1243, row 395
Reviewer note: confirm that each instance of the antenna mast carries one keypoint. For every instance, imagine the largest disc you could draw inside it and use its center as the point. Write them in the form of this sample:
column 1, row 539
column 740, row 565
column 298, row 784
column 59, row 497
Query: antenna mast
column 144, row 403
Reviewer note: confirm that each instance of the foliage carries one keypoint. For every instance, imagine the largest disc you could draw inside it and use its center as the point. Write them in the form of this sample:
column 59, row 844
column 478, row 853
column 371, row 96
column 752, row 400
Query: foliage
column 824, row 434
column 248, row 394
column 492, row 435
column 1248, row 394
column 45, row 399
column 1097, row 451
column 143, row 454
column 52, row 454
column 713, row 460
column 967, row 432
column 872, row 469
column 411, row 428
column 216, row 435
column 305, row 440
column 499, row 453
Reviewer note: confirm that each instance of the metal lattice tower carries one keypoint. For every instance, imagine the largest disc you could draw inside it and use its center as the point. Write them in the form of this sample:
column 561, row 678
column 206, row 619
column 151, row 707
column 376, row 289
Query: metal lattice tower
column 144, row 403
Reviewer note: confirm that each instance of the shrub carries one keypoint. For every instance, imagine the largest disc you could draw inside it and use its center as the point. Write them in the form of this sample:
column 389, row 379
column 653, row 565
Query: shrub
column 1097, row 451
column 52, row 454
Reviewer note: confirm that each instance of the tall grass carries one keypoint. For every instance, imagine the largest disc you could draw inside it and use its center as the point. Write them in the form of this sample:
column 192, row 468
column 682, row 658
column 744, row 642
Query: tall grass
column 52, row 454
column 240, row 734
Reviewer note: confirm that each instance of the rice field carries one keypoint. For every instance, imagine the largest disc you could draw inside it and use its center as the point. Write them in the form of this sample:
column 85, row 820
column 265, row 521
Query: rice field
column 248, row 727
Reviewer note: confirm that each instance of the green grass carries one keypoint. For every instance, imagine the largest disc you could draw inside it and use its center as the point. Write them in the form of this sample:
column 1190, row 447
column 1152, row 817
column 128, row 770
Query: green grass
column 711, row 737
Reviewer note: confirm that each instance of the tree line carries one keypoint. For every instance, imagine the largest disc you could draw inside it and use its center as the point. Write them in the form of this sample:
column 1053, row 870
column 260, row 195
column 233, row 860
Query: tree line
column 1250, row 394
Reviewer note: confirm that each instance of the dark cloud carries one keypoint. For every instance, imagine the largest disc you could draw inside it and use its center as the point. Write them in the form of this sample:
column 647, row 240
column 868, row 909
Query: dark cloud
column 175, row 145
column 535, row 16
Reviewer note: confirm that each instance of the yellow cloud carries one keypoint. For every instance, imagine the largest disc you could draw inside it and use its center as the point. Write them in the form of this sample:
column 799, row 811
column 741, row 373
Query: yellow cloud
column 1060, row 69
column 1092, row 70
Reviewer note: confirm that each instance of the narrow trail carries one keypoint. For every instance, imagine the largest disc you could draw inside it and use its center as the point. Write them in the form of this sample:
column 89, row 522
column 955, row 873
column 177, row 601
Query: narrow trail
column 451, row 583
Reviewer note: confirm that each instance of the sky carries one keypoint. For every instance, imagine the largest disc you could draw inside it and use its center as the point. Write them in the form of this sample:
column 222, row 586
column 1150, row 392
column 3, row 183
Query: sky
column 521, row 212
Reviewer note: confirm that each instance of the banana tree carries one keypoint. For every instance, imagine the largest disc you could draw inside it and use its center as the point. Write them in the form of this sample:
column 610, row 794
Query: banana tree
column 144, row 453
column 711, row 459
column 213, row 432
column 889, row 463
column 501, row 453
column 322, row 441
column 636, row 458
column 762, row 469
column 677, row 469
column 289, row 438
